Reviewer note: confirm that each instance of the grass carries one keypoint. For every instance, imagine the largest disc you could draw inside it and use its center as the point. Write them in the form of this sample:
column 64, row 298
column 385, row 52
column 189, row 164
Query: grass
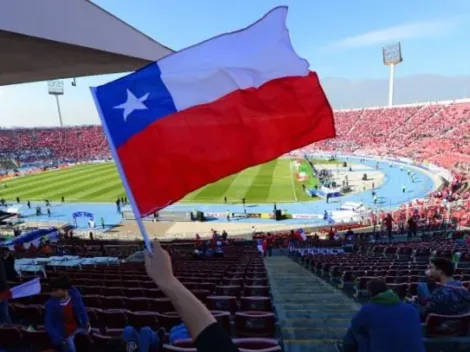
column 273, row 182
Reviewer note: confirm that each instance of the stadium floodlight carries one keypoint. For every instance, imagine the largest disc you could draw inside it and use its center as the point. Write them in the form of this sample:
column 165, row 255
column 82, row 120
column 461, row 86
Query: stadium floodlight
column 391, row 57
column 56, row 88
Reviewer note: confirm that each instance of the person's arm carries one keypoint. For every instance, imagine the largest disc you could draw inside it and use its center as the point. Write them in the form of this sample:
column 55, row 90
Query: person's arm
column 206, row 332
column 194, row 314
column 84, row 320
column 54, row 334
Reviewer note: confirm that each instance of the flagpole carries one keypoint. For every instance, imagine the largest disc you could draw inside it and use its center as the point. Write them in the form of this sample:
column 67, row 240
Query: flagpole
column 135, row 209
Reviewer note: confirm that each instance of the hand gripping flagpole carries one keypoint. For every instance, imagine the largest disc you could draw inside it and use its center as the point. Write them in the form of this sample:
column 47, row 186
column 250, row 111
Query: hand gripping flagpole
column 135, row 209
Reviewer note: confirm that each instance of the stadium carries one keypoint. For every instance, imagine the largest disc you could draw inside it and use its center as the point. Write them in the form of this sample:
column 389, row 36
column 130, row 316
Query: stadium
column 281, row 253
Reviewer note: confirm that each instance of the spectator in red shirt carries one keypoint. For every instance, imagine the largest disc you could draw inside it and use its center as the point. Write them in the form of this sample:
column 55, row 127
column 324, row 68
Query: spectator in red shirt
column 269, row 244
column 33, row 249
column 388, row 221
column 65, row 315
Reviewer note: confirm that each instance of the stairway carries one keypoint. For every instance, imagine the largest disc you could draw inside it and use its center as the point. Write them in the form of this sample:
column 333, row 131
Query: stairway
column 312, row 314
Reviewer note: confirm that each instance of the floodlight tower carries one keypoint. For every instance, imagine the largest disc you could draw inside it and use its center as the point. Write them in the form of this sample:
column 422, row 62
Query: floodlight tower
column 56, row 88
column 392, row 57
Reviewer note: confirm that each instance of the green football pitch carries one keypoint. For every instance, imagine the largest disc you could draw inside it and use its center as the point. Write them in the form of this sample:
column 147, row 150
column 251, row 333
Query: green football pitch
column 272, row 182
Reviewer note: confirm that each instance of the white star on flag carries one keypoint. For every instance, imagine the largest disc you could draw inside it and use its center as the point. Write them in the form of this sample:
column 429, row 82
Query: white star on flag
column 132, row 103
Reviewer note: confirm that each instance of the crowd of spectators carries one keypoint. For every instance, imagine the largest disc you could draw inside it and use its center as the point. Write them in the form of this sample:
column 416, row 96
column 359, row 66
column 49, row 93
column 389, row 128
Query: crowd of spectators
column 435, row 133
column 68, row 144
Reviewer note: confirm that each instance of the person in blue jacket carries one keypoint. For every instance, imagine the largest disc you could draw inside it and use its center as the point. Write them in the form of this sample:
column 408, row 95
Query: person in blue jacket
column 385, row 324
column 65, row 315
column 146, row 339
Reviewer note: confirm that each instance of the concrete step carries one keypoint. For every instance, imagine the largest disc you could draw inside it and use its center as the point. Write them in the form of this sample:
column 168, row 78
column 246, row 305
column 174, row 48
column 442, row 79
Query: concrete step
column 312, row 315
column 314, row 305
column 310, row 346
column 318, row 321
column 313, row 333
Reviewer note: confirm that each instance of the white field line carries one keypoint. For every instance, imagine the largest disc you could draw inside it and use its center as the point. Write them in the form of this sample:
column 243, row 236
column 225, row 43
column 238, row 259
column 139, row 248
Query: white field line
column 292, row 178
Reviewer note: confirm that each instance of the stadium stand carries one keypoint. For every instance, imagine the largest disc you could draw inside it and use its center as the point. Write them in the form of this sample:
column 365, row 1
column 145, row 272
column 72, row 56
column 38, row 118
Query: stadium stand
column 402, row 265
column 433, row 132
column 436, row 132
column 240, row 289
column 68, row 144
column 234, row 287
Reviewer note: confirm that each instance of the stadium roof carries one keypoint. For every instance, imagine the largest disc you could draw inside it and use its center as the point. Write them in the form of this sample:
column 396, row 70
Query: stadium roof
column 50, row 39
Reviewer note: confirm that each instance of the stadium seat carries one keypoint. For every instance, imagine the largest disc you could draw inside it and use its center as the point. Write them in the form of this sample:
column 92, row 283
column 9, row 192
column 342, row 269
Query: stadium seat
column 257, row 344
column 228, row 290
column 400, row 289
column 154, row 292
column 31, row 314
column 201, row 294
column 170, row 348
column 160, row 305
column 223, row 318
column 93, row 301
column 94, row 315
column 256, row 282
column 143, row 318
column 132, row 291
column 113, row 318
column 112, row 291
column 209, row 286
column 39, row 339
column 91, row 290
column 225, row 303
column 256, row 303
column 101, row 341
column 137, row 303
column 168, row 319
column 113, row 302
column 438, row 325
column 262, row 291
column 10, row 338
column 255, row 324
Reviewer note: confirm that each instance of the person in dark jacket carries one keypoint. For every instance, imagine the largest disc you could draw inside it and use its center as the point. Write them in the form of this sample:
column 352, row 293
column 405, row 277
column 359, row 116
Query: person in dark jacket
column 65, row 315
column 9, row 263
column 450, row 297
column 385, row 324
column 4, row 313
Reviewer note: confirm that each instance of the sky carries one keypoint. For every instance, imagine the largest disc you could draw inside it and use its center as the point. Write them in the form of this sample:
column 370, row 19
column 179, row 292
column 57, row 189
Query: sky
column 340, row 38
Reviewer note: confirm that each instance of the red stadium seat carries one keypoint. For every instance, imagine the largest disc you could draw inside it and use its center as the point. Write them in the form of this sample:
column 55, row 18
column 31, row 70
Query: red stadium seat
column 226, row 303
column 113, row 318
column 257, row 344
column 228, row 290
column 113, row 302
column 137, row 304
column 94, row 301
column 255, row 324
column 438, row 325
column 256, row 303
column 10, row 338
column 223, row 318
column 169, row 319
column 140, row 319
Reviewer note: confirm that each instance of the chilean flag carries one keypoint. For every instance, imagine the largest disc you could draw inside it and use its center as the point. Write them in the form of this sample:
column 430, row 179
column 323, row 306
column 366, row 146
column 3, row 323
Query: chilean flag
column 301, row 235
column 211, row 110
column 29, row 288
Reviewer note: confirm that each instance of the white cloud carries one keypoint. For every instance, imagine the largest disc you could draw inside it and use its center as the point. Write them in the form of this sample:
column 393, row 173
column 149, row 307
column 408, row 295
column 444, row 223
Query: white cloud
column 412, row 30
